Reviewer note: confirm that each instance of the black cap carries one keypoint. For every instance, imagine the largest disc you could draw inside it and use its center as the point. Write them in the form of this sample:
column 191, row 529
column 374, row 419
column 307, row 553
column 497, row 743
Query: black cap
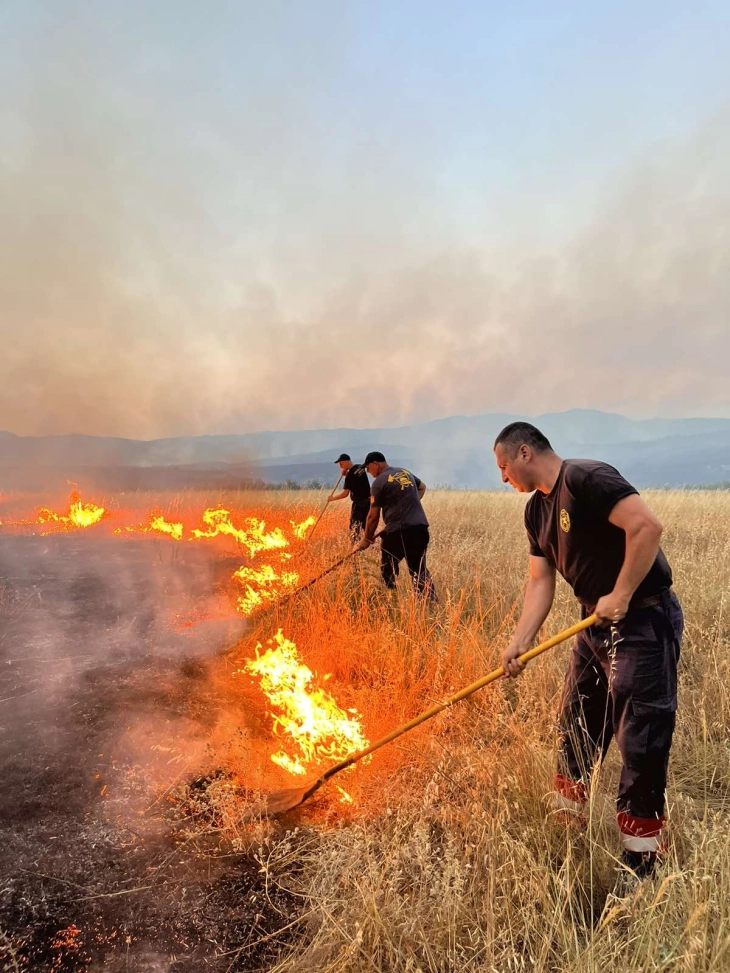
column 342, row 457
column 374, row 457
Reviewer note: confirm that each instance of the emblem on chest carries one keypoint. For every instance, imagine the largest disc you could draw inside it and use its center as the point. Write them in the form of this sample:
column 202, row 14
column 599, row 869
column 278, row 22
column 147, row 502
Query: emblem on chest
column 564, row 520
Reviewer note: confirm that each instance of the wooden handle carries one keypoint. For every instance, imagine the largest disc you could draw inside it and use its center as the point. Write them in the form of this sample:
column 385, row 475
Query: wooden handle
column 332, row 493
column 297, row 591
column 462, row 694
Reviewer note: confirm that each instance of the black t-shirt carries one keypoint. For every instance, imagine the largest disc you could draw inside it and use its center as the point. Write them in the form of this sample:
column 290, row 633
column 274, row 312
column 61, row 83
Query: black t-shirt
column 356, row 481
column 569, row 526
column 395, row 491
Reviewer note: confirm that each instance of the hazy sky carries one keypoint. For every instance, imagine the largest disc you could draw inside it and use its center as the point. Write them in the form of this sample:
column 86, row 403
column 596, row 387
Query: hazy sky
column 232, row 216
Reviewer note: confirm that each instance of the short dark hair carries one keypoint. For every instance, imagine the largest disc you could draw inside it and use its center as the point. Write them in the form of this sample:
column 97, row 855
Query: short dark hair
column 517, row 434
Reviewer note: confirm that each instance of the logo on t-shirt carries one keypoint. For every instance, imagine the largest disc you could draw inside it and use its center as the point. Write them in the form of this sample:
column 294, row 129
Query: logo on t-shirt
column 400, row 477
column 564, row 520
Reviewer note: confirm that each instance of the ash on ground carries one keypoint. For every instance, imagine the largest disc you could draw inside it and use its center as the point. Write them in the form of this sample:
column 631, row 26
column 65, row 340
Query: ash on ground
column 109, row 860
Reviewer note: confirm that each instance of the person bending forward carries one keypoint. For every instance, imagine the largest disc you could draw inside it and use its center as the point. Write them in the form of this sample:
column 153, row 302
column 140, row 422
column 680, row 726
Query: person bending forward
column 587, row 522
column 397, row 493
column 357, row 488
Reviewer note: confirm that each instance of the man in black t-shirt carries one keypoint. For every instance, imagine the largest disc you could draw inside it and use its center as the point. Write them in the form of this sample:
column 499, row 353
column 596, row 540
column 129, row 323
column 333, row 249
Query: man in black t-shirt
column 397, row 493
column 357, row 487
column 587, row 522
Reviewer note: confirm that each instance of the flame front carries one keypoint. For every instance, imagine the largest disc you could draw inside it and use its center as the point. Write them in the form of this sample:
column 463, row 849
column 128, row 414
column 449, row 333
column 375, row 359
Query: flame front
column 315, row 726
column 262, row 586
column 158, row 523
column 79, row 514
column 252, row 535
column 300, row 530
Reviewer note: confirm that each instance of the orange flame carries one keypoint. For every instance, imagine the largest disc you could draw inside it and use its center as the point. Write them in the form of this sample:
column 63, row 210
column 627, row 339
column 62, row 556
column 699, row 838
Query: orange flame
column 345, row 798
column 315, row 727
column 80, row 514
column 262, row 586
column 314, row 724
column 300, row 530
column 158, row 523
column 252, row 536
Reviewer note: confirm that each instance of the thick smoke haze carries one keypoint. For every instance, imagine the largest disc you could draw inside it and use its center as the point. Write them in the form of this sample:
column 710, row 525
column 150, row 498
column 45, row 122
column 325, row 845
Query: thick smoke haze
column 263, row 216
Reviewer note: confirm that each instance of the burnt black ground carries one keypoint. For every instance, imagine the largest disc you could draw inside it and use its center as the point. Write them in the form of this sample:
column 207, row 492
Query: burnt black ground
column 106, row 705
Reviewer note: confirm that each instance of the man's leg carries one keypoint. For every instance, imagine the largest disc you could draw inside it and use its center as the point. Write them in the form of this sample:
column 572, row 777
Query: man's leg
column 415, row 542
column 358, row 515
column 644, row 691
column 391, row 553
column 584, row 722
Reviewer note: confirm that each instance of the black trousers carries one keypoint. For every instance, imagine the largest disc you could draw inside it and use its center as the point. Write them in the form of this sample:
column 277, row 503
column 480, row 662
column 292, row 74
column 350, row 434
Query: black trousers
column 358, row 515
column 409, row 543
column 622, row 683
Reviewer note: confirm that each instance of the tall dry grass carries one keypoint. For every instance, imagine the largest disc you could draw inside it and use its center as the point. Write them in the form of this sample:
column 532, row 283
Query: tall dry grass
column 452, row 859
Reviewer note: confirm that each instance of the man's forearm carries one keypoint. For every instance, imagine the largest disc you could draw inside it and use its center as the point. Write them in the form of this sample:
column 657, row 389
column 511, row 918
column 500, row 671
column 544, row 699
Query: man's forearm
column 642, row 547
column 538, row 601
column 421, row 490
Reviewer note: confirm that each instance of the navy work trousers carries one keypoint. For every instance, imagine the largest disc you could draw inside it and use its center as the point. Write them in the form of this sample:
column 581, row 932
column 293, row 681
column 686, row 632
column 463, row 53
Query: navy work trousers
column 358, row 515
column 409, row 543
column 622, row 683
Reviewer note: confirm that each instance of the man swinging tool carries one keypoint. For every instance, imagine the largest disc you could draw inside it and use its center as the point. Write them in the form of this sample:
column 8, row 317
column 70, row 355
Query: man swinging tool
column 585, row 520
column 398, row 494
column 357, row 487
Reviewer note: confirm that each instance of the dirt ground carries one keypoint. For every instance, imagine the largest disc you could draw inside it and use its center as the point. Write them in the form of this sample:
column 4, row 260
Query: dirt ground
column 108, row 704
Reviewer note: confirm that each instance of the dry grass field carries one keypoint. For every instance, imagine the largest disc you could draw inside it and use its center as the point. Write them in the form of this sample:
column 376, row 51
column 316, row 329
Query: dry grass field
column 449, row 859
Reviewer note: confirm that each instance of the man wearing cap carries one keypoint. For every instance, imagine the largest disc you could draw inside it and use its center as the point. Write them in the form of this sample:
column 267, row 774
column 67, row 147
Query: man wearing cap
column 398, row 493
column 357, row 487
column 587, row 522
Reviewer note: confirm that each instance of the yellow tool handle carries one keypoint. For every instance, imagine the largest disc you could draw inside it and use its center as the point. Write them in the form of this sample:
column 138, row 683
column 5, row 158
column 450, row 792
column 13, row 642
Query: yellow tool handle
column 462, row 694
column 326, row 504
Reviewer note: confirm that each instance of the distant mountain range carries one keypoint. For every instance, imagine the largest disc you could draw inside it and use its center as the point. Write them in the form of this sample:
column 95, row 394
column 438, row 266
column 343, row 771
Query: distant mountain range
column 456, row 452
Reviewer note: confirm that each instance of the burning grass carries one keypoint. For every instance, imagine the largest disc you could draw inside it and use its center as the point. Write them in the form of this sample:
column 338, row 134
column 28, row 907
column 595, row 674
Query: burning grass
column 448, row 857
column 306, row 714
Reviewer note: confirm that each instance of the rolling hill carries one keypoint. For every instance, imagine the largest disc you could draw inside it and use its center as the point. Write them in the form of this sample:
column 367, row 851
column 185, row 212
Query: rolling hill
column 456, row 451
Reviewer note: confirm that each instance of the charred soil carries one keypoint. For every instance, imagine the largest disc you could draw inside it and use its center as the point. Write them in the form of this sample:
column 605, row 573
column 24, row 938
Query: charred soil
column 106, row 713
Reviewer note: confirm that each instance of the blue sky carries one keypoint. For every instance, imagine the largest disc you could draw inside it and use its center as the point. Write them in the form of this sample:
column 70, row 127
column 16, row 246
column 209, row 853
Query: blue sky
column 237, row 216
